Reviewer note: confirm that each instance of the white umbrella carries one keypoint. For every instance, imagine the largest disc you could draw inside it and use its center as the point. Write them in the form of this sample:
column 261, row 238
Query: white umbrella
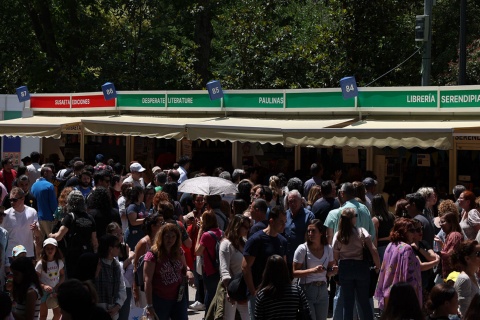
column 207, row 186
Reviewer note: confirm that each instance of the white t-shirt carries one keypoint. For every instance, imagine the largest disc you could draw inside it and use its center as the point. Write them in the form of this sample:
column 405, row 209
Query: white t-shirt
column 313, row 261
column 136, row 183
column 52, row 276
column 18, row 226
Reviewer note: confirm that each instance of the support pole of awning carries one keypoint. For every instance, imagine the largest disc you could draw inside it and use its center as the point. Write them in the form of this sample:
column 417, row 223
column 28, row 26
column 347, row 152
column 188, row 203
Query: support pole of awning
column 82, row 143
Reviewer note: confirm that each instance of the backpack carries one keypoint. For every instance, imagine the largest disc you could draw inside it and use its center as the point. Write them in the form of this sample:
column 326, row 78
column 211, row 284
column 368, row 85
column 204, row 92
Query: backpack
column 139, row 276
column 216, row 261
column 74, row 239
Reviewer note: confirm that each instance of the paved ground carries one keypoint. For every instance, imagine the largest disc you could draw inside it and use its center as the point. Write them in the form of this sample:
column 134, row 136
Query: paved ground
column 192, row 315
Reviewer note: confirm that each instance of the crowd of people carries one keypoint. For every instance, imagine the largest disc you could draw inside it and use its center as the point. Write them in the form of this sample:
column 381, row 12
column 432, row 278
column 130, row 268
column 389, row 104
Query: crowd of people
column 91, row 240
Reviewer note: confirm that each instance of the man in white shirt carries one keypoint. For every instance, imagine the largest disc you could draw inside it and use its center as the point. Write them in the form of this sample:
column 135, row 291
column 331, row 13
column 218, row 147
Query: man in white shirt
column 136, row 171
column 34, row 168
column 21, row 222
column 184, row 165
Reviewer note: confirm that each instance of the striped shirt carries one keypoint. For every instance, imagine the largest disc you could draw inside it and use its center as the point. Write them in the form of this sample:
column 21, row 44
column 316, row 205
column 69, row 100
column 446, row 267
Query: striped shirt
column 286, row 307
column 21, row 308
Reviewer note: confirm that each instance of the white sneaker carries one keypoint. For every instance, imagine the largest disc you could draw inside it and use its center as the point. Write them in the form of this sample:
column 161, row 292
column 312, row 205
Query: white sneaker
column 197, row 306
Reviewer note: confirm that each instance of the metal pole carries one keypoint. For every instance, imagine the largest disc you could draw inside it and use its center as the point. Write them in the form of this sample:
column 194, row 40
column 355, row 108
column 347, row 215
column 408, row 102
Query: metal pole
column 462, row 59
column 427, row 46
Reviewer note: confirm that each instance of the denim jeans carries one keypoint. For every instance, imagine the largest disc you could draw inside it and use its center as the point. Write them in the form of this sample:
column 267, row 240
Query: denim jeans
column 338, row 306
column 317, row 297
column 200, row 292
column 251, row 306
column 170, row 309
column 355, row 281
column 210, row 282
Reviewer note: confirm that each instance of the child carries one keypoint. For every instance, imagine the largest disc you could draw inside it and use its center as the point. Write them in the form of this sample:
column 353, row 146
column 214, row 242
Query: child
column 26, row 290
column 17, row 252
column 51, row 273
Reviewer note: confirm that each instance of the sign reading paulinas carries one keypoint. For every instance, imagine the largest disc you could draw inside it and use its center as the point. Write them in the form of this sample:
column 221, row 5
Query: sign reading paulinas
column 259, row 100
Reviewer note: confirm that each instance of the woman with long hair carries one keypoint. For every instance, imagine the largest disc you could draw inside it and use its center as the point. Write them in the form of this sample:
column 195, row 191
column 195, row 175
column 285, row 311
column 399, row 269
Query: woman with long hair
column 442, row 302
column 312, row 263
column 99, row 206
column 353, row 270
column 314, row 194
column 383, row 221
column 151, row 226
column 401, row 209
column 109, row 281
column 403, row 304
column 231, row 256
column 277, row 297
column 164, row 271
column 125, row 257
column 122, row 210
column 148, row 200
column 27, row 291
column 208, row 235
column 453, row 234
column 470, row 217
column 136, row 213
column 466, row 258
column 399, row 263
column 277, row 193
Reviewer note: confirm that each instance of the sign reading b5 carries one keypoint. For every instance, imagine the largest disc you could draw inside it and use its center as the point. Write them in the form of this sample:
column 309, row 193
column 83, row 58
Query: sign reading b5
column 23, row 94
column 215, row 90
column 349, row 87
column 109, row 91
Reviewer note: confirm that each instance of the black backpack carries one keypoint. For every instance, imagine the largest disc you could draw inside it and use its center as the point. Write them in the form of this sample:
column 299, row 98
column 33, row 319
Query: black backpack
column 216, row 261
column 139, row 277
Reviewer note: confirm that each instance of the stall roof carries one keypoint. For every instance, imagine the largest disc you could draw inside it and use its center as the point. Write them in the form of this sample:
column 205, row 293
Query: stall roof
column 37, row 126
column 376, row 133
column 255, row 130
column 141, row 126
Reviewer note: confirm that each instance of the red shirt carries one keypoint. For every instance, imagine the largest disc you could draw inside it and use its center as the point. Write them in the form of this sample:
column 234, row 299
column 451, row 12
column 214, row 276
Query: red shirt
column 7, row 178
column 167, row 276
column 209, row 253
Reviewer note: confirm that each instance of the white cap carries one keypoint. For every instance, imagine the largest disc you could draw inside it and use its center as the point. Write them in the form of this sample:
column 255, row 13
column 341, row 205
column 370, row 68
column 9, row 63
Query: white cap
column 136, row 167
column 50, row 241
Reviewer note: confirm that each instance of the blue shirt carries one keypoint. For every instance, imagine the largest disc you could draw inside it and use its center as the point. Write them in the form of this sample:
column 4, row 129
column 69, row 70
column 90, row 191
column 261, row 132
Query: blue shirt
column 47, row 203
column 295, row 230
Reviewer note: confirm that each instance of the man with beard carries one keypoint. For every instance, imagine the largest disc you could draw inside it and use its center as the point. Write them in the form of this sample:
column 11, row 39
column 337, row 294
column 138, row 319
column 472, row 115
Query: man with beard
column 24, row 184
column 85, row 183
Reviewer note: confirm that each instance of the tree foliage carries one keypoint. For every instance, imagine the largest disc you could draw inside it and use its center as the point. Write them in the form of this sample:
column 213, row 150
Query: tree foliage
column 77, row 45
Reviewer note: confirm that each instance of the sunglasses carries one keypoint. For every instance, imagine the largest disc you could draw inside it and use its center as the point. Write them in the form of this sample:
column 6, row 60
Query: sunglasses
column 14, row 199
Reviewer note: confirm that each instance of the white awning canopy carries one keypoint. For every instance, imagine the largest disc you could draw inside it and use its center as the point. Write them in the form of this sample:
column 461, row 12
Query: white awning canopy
column 254, row 130
column 37, row 126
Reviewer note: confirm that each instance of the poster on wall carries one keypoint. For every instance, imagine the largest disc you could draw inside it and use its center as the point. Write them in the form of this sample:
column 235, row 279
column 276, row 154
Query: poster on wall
column 423, row 160
column 11, row 148
column 187, row 148
column 350, row 155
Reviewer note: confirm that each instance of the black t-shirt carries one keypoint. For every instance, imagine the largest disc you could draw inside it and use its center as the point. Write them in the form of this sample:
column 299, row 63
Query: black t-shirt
column 262, row 246
column 260, row 225
column 426, row 274
column 80, row 229
column 102, row 219
column 323, row 206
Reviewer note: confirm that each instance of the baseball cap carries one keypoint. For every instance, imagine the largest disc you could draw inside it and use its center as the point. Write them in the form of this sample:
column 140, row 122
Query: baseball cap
column 99, row 157
column 136, row 167
column 368, row 182
column 50, row 241
column 155, row 169
column 17, row 250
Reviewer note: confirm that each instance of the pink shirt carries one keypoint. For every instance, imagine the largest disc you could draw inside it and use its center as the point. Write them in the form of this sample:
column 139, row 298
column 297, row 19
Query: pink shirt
column 167, row 276
column 209, row 253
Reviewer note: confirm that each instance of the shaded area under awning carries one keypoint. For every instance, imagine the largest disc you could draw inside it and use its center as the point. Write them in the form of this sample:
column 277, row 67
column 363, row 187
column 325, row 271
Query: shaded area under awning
column 37, row 126
column 254, row 130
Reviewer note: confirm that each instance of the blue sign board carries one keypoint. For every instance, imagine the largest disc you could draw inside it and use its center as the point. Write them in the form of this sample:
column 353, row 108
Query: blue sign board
column 23, row 94
column 109, row 91
column 349, row 87
column 215, row 90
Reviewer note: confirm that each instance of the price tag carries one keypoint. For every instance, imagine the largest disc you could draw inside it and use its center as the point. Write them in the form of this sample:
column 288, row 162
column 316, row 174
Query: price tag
column 109, row 91
column 23, row 94
column 349, row 87
column 215, row 90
